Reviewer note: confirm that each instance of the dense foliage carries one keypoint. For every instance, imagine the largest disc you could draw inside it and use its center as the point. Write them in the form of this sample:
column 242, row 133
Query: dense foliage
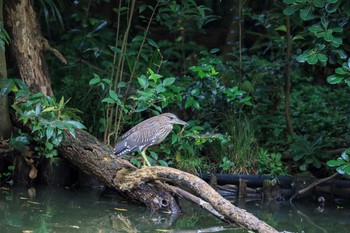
column 129, row 60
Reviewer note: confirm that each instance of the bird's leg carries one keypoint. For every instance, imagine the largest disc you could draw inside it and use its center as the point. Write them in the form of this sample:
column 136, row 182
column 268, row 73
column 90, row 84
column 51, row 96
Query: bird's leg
column 143, row 153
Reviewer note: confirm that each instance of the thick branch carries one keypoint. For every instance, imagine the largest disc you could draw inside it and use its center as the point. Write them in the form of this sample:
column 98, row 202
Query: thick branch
column 201, row 188
column 92, row 157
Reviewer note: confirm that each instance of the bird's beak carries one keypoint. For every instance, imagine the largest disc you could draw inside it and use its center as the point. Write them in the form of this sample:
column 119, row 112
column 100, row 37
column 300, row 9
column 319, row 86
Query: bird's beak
column 180, row 122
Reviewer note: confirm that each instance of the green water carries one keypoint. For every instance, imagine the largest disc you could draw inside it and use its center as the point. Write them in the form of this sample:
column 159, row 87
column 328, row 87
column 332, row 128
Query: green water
column 61, row 210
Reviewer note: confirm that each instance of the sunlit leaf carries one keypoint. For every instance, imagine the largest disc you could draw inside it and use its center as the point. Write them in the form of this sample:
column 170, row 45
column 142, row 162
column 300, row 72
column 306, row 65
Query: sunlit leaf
column 334, row 79
column 113, row 95
column 168, row 81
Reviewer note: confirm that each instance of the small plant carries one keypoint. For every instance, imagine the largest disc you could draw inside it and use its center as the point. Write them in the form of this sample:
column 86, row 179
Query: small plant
column 342, row 164
column 242, row 145
column 307, row 153
column 47, row 119
column 271, row 163
column 226, row 164
column 7, row 174
column 153, row 158
column 342, row 74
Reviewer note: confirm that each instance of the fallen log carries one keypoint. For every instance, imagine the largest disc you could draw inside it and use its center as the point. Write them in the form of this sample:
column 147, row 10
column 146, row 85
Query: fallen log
column 149, row 185
column 94, row 158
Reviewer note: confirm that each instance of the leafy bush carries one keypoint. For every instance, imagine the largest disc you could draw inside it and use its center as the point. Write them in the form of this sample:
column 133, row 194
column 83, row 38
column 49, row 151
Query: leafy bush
column 308, row 154
column 342, row 164
column 47, row 119
column 271, row 163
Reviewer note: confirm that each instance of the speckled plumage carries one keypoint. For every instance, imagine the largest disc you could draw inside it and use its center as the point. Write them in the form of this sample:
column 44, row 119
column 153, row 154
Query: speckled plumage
column 147, row 133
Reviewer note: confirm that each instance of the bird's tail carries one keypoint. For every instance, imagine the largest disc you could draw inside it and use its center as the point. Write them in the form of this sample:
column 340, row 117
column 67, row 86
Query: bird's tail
column 121, row 148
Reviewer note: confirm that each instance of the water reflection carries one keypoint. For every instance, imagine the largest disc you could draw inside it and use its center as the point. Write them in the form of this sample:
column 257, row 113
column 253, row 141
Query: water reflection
column 54, row 209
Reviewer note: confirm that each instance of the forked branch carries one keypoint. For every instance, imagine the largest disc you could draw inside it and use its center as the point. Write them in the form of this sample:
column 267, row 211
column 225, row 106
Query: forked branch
column 224, row 207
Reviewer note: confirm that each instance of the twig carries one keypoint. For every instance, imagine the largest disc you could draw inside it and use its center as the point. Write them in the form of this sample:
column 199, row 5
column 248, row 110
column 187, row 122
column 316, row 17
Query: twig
column 310, row 186
column 205, row 205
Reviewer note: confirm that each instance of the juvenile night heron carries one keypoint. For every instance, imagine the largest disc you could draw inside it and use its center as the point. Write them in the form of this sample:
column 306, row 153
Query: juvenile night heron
column 147, row 133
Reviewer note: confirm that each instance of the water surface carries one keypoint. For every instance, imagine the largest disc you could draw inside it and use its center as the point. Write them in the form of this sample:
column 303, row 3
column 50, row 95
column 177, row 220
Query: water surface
column 55, row 209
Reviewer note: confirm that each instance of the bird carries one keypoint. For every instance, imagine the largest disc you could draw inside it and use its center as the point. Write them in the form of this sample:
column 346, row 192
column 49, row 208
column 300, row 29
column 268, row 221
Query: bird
column 145, row 134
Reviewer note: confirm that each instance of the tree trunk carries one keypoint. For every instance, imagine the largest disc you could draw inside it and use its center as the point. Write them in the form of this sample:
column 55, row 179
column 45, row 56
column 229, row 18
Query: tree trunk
column 28, row 46
column 5, row 122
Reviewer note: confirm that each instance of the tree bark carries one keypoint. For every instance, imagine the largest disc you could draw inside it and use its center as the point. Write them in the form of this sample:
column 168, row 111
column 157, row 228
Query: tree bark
column 5, row 122
column 28, row 46
column 94, row 158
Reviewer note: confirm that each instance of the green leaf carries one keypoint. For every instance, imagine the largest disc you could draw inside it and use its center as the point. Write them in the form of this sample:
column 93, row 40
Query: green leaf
column 319, row 3
column 334, row 79
column 153, row 155
column 113, row 95
column 143, row 81
column 347, row 81
column 322, row 57
column 345, row 156
column 306, row 13
column 312, row 60
column 36, row 96
column 168, row 81
column 49, row 132
column 61, row 103
column 72, row 132
column 341, row 71
column 328, row 36
column 196, row 105
column 95, row 80
column 324, row 22
column 214, row 50
column 142, row 7
column 336, row 42
column 152, row 42
column 282, row 28
column 75, row 124
column 289, row 1
column 48, row 109
column 303, row 167
column 163, row 163
column 49, row 145
column 341, row 53
column 135, row 162
column 160, row 88
column 174, row 138
column 189, row 102
column 108, row 100
column 121, row 84
column 37, row 109
column 331, row 7
column 30, row 114
column 141, row 107
column 315, row 28
column 291, row 9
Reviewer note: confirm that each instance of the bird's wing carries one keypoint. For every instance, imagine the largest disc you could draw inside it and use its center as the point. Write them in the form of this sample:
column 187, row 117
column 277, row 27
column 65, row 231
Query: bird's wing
column 144, row 126
column 137, row 138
